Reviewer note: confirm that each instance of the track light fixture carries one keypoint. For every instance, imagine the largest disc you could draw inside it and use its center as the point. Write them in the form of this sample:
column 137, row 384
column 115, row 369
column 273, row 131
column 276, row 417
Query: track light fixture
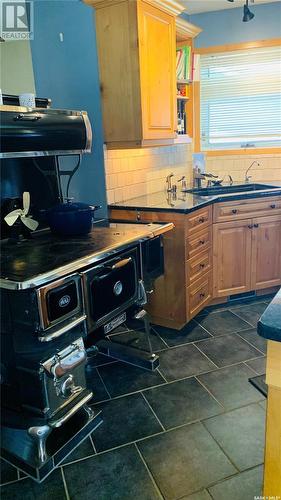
column 248, row 15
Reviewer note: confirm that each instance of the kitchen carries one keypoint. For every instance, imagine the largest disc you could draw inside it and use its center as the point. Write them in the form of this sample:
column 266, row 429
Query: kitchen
column 208, row 297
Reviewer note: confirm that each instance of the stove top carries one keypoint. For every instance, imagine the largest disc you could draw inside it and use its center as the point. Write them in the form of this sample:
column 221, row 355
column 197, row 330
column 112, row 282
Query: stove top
column 45, row 257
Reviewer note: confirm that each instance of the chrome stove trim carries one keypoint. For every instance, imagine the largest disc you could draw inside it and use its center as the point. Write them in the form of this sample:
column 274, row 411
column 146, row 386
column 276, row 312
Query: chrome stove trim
column 88, row 260
column 64, row 329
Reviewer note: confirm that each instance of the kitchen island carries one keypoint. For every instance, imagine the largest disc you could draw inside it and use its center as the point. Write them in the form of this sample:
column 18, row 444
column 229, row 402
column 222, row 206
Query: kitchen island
column 222, row 245
column 269, row 327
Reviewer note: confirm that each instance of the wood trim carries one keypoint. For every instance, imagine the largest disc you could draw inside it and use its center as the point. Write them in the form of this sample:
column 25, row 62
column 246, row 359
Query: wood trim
column 172, row 7
column 184, row 30
column 239, row 152
column 272, row 42
column 196, row 115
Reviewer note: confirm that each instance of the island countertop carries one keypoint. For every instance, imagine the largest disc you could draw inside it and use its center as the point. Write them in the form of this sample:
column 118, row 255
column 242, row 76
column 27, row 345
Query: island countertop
column 269, row 325
column 186, row 202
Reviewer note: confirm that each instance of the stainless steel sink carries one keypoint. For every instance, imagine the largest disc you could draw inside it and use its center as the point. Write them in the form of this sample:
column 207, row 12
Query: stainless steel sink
column 238, row 188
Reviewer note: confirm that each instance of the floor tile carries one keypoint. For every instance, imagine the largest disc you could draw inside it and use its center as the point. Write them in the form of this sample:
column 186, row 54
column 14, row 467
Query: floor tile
column 259, row 365
column 185, row 460
column 85, row 449
column 231, row 386
column 189, row 333
column 184, row 361
column 240, row 433
column 251, row 313
column 263, row 404
column 121, row 378
column 7, row 472
column 125, row 420
column 181, row 402
column 117, row 475
column 28, row 489
column 200, row 495
column 227, row 350
column 99, row 360
column 95, row 384
column 244, row 486
column 254, row 339
column 222, row 323
column 138, row 340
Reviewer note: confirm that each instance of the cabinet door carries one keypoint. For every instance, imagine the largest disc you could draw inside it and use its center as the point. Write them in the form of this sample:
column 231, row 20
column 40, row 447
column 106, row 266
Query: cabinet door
column 266, row 253
column 232, row 247
column 157, row 51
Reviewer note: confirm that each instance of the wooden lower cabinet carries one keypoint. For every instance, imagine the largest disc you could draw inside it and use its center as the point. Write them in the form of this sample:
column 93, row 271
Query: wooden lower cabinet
column 266, row 252
column 246, row 255
column 232, row 247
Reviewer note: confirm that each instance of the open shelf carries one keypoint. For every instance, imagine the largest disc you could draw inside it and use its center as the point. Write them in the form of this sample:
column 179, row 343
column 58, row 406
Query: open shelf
column 182, row 139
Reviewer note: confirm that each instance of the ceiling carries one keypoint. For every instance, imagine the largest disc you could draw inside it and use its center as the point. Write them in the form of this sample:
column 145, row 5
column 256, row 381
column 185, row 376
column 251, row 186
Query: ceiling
column 198, row 6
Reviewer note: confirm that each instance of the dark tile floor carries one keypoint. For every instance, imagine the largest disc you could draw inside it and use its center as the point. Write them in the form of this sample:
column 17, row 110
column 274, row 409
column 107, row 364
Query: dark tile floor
column 193, row 430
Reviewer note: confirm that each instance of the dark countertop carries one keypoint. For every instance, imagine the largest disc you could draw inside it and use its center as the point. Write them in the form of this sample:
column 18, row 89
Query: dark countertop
column 45, row 256
column 269, row 325
column 188, row 202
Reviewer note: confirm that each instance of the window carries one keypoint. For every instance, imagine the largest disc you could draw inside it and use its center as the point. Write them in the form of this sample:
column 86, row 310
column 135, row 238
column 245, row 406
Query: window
column 240, row 100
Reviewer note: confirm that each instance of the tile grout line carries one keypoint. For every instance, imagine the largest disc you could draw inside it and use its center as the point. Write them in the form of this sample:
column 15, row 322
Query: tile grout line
column 64, row 484
column 250, row 368
column 149, row 472
column 93, row 444
column 102, row 381
column 155, row 415
column 252, row 326
column 252, row 345
column 221, row 448
column 218, row 368
column 209, row 359
column 211, row 394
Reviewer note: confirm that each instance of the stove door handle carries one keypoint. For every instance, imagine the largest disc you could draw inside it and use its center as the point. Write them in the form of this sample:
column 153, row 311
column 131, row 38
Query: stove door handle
column 121, row 263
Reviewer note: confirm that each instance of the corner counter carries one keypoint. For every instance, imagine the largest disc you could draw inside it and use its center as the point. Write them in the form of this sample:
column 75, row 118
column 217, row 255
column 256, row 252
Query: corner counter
column 269, row 327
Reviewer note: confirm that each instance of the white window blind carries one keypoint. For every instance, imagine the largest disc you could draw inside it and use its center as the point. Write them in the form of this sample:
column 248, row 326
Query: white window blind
column 240, row 96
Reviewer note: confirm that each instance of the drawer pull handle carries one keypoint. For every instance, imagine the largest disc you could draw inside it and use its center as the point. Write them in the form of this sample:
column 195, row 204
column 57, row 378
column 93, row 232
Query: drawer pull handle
column 234, row 211
column 273, row 205
column 202, row 219
column 202, row 295
column 250, row 226
column 256, row 225
column 202, row 242
column 202, row 266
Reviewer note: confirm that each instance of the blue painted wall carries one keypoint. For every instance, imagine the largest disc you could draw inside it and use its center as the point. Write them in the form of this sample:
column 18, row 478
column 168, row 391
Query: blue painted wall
column 67, row 72
column 226, row 26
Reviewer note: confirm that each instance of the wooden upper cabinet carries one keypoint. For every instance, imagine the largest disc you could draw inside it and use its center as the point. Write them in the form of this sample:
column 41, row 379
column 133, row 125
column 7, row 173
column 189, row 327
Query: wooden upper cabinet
column 136, row 44
column 266, row 252
column 157, row 53
column 232, row 247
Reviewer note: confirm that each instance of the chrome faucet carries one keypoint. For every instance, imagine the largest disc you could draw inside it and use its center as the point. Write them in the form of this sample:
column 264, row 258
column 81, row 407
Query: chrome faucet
column 170, row 188
column 248, row 177
column 183, row 183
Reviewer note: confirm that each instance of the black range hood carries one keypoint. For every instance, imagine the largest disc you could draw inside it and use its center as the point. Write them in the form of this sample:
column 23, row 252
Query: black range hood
column 43, row 132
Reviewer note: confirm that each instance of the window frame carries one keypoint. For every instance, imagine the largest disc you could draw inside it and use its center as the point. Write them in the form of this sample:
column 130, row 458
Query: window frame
column 196, row 92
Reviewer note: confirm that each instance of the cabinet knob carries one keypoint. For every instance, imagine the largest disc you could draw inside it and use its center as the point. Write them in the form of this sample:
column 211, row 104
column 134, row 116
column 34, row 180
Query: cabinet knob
column 202, row 265
column 256, row 225
column 234, row 211
column 250, row 226
column 202, row 219
column 273, row 205
column 202, row 242
column 202, row 295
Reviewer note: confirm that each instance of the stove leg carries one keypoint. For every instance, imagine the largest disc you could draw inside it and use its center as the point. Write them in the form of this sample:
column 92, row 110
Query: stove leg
column 143, row 316
column 40, row 434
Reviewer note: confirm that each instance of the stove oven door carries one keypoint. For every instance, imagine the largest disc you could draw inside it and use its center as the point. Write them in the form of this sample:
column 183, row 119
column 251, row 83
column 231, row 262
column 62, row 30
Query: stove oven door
column 60, row 306
column 111, row 288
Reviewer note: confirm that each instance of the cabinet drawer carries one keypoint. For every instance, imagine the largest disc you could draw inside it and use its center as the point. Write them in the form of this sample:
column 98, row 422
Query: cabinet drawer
column 199, row 242
column 198, row 220
column 198, row 266
column 237, row 210
column 199, row 295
